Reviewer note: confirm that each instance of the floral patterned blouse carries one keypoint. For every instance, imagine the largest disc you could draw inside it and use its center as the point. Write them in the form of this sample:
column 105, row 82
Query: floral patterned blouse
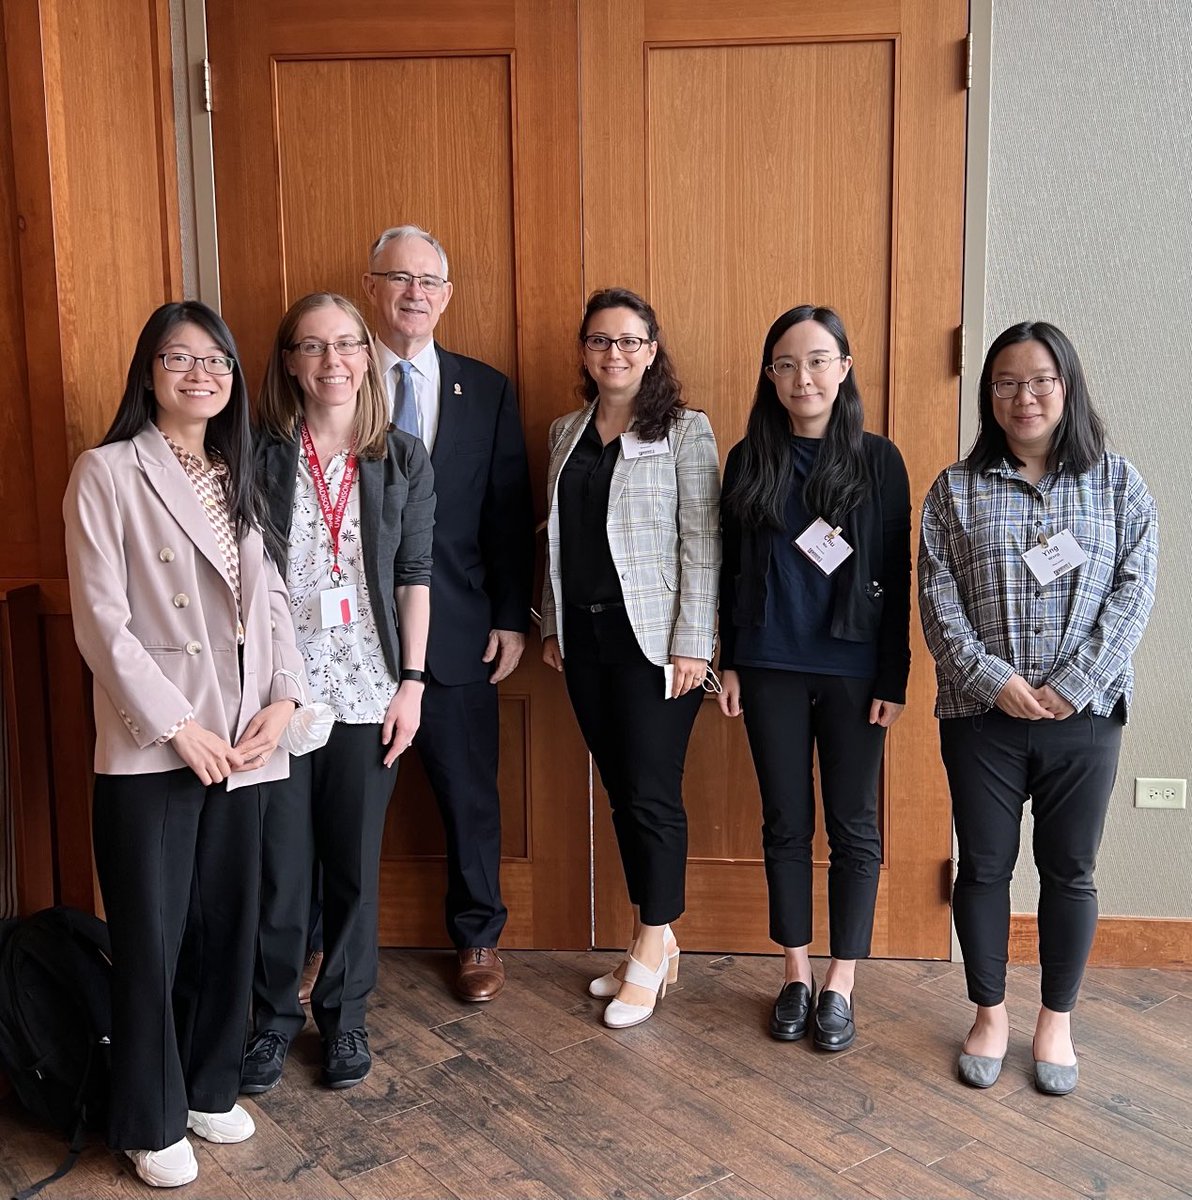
column 345, row 665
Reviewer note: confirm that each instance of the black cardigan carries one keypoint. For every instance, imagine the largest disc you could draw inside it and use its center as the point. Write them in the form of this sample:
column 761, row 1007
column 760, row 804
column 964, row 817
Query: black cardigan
column 397, row 520
column 872, row 587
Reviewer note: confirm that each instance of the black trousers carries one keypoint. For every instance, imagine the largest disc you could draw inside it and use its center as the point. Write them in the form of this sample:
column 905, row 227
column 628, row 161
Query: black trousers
column 458, row 742
column 786, row 714
column 332, row 809
column 1067, row 768
column 179, row 868
column 638, row 740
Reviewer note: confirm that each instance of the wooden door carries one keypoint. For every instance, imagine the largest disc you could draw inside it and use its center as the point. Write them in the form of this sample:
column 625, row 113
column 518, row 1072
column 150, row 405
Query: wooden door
column 738, row 159
column 332, row 122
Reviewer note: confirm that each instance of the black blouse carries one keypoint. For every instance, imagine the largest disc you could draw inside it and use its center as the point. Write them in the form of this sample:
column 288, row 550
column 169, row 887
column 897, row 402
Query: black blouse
column 589, row 573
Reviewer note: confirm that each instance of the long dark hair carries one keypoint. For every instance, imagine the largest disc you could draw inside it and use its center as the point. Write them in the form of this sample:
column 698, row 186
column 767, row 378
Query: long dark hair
column 229, row 433
column 1079, row 438
column 660, row 396
column 839, row 480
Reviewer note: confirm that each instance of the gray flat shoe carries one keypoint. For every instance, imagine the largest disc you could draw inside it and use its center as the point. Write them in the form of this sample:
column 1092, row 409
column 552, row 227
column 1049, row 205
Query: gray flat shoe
column 1055, row 1080
column 978, row 1070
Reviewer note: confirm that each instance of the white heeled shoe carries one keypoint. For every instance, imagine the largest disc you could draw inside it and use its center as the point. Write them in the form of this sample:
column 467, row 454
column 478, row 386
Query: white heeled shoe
column 620, row 1015
column 608, row 985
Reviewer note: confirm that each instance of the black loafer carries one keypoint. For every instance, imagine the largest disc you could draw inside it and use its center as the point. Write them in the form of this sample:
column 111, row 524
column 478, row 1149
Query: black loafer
column 792, row 1012
column 834, row 1026
column 263, row 1062
column 346, row 1059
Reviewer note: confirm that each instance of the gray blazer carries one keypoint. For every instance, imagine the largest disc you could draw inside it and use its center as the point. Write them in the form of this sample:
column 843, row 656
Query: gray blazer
column 664, row 534
column 397, row 521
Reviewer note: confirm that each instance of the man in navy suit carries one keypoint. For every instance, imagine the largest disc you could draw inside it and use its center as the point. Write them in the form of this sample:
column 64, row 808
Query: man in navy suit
column 466, row 413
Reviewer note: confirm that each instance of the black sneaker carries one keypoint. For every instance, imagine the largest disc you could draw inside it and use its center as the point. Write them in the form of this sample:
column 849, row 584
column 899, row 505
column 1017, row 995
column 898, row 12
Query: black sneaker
column 346, row 1060
column 263, row 1062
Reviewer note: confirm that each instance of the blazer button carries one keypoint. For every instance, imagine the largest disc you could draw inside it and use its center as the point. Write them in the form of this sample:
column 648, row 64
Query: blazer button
column 166, row 554
column 193, row 647
column 272, row 623
column 181, row 600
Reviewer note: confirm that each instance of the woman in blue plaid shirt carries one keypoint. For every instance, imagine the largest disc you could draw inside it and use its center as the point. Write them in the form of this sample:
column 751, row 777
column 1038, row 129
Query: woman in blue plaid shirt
column 1036, row 577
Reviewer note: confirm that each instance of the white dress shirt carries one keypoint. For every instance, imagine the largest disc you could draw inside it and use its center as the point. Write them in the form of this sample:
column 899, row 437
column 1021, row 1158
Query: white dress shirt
column 426, row 387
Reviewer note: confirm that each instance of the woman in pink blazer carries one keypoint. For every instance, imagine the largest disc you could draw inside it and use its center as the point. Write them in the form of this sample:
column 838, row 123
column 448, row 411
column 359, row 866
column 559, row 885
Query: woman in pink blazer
column 183, row 619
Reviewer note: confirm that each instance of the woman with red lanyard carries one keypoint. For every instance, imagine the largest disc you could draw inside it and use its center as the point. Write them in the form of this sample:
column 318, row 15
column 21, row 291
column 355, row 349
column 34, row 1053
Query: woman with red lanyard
column 354, row 499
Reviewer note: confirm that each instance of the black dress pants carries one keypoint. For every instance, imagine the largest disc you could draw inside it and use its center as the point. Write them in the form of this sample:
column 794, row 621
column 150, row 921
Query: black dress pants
column 458, row 742
column 179, row 868
column 786, row 712
column 334, row 801
column 1067, row 768
column 638, row 740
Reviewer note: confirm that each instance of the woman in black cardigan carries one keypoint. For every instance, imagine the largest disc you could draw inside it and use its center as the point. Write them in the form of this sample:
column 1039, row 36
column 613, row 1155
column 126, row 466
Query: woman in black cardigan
column 353, row 499
column 815, row 649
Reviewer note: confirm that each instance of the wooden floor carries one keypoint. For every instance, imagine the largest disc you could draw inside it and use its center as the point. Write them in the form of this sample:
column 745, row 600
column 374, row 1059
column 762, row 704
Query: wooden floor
column 531, row 1097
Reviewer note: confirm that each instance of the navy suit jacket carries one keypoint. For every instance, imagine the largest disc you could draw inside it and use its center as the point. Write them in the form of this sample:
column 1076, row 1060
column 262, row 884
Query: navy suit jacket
column 484, row 519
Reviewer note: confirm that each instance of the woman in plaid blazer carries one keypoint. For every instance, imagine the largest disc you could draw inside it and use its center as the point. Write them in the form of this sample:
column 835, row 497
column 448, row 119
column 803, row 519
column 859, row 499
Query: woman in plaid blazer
column 628, row 610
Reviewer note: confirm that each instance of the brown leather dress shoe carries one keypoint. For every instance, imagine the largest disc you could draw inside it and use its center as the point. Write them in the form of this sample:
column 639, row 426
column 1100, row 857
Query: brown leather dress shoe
column 309, row 974
column 481, row 974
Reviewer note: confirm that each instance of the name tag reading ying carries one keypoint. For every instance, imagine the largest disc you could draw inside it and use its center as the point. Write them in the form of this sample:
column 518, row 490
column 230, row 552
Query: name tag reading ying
column 1057, row 556
column 633, row 447
column 823, row 544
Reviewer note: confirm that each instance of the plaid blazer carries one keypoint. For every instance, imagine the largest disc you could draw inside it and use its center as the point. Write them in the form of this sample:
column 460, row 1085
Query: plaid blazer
column 664, row 534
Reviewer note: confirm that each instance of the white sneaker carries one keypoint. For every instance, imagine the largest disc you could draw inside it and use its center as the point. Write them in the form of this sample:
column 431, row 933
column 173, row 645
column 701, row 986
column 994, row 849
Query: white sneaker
column 170, row 1167
column 235, row 1125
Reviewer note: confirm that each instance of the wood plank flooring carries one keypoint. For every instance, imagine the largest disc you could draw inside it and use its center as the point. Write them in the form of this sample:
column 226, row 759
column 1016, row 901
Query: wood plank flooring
column 531, row 1098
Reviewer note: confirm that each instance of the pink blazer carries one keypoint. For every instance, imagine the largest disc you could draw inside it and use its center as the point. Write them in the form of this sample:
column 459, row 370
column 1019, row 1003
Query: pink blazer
column 155, row 614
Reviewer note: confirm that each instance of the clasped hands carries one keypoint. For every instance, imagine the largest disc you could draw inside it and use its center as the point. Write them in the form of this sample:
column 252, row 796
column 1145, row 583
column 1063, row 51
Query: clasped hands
column 213, row 760
column 1018, row 699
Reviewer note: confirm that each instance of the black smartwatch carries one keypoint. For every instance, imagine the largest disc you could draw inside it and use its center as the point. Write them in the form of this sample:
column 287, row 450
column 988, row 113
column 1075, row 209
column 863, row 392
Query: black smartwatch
column 408, row 673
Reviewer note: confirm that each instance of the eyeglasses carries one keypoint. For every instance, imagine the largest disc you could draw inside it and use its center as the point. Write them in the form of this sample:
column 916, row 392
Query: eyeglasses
column 817, row 364
column 629, row 344
column 313, row 348
column 1007, row 389
column 428, row 283
column 213, row 364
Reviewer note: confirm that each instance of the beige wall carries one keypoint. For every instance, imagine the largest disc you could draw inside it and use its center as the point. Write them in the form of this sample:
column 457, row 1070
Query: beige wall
column 1090, row 226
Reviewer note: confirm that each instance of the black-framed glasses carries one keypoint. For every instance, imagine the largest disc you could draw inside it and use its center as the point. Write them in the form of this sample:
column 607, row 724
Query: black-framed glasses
column 817, row 364
column 213, row 364
column 627, row 345
column 428, row 283
column 313, row 348
column 1039, row 385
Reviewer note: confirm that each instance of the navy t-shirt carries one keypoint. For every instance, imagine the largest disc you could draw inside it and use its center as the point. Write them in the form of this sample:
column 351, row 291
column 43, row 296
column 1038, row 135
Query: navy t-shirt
column 797, row 634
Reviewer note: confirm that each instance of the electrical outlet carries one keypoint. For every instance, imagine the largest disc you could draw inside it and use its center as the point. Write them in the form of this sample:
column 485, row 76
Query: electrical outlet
column 1160, row 793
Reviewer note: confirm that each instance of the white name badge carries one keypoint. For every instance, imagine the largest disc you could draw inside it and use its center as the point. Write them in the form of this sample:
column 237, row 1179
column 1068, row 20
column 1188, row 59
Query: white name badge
column 633, row 447
column 338, row 605
column 1056, row 557
column 823, row 544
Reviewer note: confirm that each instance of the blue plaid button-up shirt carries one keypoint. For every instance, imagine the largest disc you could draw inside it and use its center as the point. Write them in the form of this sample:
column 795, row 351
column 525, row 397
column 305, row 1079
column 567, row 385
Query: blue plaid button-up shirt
column 986, row 617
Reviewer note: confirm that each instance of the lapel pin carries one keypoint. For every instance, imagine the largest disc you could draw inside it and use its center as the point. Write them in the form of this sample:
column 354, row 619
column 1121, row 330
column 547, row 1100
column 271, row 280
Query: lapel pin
column 458, row 390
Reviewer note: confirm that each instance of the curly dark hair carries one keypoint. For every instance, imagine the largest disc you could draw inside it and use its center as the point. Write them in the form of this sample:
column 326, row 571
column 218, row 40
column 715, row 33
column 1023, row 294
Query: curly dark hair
column 660, row 397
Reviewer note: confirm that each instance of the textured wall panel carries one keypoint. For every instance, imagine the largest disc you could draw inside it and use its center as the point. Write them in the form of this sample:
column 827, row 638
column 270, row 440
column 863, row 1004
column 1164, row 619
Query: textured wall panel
column 1090, row 226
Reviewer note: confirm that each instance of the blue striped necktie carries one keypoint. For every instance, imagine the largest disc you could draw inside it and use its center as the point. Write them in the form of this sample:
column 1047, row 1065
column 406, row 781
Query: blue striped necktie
column 406, row 415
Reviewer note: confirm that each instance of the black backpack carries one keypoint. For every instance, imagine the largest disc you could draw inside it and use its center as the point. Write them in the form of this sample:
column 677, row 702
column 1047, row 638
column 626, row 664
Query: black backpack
column 56, row 1022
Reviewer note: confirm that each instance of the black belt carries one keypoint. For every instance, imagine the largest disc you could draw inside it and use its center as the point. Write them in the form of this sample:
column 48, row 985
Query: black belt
column 597, row 608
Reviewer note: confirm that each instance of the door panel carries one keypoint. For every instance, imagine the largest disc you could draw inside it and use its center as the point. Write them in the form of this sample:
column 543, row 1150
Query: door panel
column 331, row 124
column 765, row 155
column 730, row 160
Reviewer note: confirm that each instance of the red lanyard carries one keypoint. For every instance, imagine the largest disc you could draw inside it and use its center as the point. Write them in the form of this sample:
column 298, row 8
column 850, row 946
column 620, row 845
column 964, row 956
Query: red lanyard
column 333, row 518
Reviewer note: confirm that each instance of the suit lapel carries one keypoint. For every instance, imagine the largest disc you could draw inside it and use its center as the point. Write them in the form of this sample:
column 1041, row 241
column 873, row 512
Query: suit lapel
column 565, row 447
column 450, row 402
column 166, row 476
